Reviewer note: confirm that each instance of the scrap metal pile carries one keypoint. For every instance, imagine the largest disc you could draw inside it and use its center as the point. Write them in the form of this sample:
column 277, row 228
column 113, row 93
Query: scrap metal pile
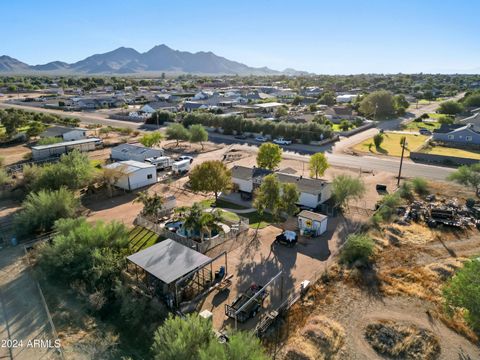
column 434, row 212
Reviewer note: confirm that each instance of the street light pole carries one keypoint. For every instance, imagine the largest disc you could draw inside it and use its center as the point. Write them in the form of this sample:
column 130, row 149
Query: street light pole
column 404, row 143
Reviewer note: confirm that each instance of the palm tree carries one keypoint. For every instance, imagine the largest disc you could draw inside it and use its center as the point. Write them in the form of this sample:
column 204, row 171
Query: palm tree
column 151, row 203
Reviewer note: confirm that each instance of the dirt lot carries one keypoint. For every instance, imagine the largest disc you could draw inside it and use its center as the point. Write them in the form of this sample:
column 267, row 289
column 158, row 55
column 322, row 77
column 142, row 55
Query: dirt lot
column 22, row 314
column 404, row 287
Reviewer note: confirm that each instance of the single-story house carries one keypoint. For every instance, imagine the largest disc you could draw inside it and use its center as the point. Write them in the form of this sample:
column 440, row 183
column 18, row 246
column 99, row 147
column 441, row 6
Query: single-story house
column 346, row 98
column 339, row 112
column 457, row 134
column 65, row 133
column 311, row 223
column 135, row 174
column 134, row 152
column 313, row 192
column 268, row 107
column 153, row 107
column 40, row 152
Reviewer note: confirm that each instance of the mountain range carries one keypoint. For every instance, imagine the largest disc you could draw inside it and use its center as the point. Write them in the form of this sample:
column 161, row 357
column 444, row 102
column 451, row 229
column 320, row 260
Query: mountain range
column 128, row 61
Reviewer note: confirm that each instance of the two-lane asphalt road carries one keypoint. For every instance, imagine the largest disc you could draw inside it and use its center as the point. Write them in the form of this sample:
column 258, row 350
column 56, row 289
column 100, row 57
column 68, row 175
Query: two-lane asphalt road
column 364, row 163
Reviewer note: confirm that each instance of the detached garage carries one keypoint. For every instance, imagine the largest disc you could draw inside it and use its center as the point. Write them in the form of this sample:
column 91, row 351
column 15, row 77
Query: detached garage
column 311, row 223
column 135, row 174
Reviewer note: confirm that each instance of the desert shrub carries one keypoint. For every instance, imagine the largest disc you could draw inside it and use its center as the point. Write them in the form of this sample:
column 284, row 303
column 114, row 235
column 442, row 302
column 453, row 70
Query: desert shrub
column 378, row 140
column 358, row 250
column 463, row 291
column 41, row 209
column 388, row 206
column 405, row 191
column 420, row 186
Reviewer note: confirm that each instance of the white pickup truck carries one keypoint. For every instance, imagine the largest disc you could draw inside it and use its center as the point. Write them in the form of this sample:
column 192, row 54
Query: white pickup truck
column 281, row 141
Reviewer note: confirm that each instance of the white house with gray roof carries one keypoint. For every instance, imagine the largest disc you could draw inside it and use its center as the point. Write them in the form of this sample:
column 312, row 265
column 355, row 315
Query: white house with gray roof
column 313, row 192
column 124, row 152
column 457, row 134
column 65, row 133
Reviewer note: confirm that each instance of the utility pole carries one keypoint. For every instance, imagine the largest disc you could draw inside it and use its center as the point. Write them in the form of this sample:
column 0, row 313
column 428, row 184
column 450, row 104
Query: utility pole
column 404, row 143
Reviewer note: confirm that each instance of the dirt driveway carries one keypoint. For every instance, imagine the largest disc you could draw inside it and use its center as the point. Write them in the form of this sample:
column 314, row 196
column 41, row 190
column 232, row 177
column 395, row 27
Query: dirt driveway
column 260, row 259
column 23, row 317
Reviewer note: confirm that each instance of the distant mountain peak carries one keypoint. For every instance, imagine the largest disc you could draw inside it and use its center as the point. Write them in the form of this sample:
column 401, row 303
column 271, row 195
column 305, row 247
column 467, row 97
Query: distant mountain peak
column 125, row 60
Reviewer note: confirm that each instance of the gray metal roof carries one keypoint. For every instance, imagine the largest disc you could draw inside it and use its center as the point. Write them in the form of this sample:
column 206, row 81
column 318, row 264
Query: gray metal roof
column 136, row 149
column 169, row 260
column 59, row 130
column 312, row 216
column 66, row 143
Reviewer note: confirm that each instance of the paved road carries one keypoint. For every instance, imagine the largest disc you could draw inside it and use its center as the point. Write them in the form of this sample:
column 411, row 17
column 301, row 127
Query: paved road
column 85, row 117
column 367, row 163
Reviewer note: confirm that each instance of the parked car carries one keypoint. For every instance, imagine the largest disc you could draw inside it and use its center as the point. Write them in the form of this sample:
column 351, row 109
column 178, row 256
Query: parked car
column 185, row 157
column 281, row 141
column 425, row 132
column 241, row 137
column 288, row 238
column 261, row 138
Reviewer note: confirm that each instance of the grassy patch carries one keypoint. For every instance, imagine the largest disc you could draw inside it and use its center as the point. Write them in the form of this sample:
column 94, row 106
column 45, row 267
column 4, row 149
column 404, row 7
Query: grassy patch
column 221, row 204
column 391, row 144
column 338, row 128
column 416, row 126
column 142, row 238
column 257, row 220
column 448, row 151
column 229, row 216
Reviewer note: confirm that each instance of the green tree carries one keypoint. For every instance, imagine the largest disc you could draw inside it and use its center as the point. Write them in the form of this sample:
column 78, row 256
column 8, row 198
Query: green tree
column 177, row 132
column 472, row 100
column 269, row 156
column 74, row 171
column 345, row 125
column 92, row 254
column 378, row 104
column 318, row 165
column 400, row 104
column 211, row 176
column 445, row 120
column 182, row 338
column 297, row 100
column 450, row 108
column 468, row 175
column 151, row 139
column 198, row 134
column 358, row 250
column 35, row 128
column 463, row 291
column 281, row 112
column 242, row 345
column 41, row 209
column 289, row 196
column 378, row 140
column 346, row 188
column 267, row 196
column 152, row 204
column 327, row 98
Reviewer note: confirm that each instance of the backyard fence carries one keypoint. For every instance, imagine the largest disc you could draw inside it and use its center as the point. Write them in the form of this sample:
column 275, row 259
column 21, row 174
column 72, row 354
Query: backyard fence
column 203, row 246
column 441, row 159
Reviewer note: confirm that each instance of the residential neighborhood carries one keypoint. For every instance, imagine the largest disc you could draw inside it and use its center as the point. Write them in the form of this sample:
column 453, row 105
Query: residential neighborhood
column 164, row 203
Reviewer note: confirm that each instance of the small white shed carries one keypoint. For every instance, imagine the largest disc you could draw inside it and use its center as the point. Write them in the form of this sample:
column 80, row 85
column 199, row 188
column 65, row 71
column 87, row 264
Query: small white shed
column 311, row 223
column 135, row 174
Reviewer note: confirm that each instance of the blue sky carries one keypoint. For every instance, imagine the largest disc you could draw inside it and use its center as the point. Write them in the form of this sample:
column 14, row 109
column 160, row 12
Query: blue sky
column 329, row 37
